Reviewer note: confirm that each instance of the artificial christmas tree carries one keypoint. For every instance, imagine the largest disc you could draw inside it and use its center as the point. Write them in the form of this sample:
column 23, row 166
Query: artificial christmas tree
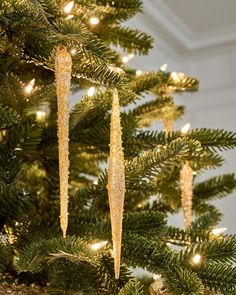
column 194, row 260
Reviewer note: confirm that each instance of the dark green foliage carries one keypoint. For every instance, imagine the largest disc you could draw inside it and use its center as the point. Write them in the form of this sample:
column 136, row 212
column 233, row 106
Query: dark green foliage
column 31, row 247
column 8, row 117
column 132, row 288
column 183, row 282
column 214, row 188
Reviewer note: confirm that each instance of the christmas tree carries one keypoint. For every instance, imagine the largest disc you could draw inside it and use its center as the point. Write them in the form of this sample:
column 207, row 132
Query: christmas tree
column 160, row 168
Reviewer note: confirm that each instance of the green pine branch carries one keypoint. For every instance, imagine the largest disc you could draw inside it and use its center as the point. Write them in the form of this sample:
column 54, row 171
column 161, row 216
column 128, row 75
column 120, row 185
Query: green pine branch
column 8, row 117
column 132, row 288
column 214, row 188
column 218, row 277
column 131, row 40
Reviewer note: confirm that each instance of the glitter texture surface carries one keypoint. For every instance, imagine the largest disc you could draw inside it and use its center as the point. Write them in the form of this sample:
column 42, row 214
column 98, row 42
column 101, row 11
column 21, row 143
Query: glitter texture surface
column 186, row 184
column 63, row 67
column 116, row 181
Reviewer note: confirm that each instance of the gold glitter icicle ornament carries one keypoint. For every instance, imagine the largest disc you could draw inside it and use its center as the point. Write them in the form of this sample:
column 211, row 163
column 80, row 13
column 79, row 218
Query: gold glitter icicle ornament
column 116, row 181
column 63, row 68
column 186, row 184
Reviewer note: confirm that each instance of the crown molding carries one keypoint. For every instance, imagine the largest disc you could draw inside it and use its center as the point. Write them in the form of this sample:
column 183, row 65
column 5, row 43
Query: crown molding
column 175, row 32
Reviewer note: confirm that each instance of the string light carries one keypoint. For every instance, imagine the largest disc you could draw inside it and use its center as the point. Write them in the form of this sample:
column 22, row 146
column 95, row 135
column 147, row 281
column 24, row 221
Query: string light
column 29, row 87
column 68, row 7
column 115, row 69
column 91, row 91
column 94, row 20
column 125, row 59
column 164, row 67
column 40, row 116
column 70, row 16
column 196, row 259
column 176, row 76
column 156, row 277
column 99, row 245
column 185, row 128
column 73, row 51
column 138, row 73
column 219, row 231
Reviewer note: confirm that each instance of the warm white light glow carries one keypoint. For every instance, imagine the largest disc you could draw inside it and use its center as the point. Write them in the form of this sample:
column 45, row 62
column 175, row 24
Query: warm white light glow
column 29, row 87
column 91, row 91
column 118, row 70
column 115, row 69
column 197, row 259
column 73, row 51
column 68, row 7
column 164, row 67
column 98, row 246
column 131, row 55
column 156, row 277
column 219, row 231
column 94, row 20
column 40, row 116
column 177, row 76
column 185, row 128
column 70, row 16
column 138, row 73
column 125, row 59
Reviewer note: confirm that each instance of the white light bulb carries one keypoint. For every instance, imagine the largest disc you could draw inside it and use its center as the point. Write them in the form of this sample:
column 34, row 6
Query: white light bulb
column 131, row 55
column 91, row 91
column 68, row 7
column 156, row 277
column 70, row 16
column 185, row 128
column 164, row 67
column 115, row 69
column 196, row 259
column 177, row 76
column 29, row 87
column 94, row 20
column 138, row 73
column 219, row 231
column 99, row 245
column 125, row 59
column 73, row 51
column 40, row 116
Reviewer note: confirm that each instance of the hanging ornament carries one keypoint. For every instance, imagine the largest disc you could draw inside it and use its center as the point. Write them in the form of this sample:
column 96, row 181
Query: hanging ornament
column 116, row 181
column 63, row 68
column 186, row 184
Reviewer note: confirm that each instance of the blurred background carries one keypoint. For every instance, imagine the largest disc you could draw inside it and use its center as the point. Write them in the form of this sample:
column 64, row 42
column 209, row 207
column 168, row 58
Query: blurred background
column 199, row 39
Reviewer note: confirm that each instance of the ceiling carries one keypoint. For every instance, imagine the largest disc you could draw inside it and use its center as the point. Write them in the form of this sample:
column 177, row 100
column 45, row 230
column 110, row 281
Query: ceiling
column 193, row 24
column 204, row 15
